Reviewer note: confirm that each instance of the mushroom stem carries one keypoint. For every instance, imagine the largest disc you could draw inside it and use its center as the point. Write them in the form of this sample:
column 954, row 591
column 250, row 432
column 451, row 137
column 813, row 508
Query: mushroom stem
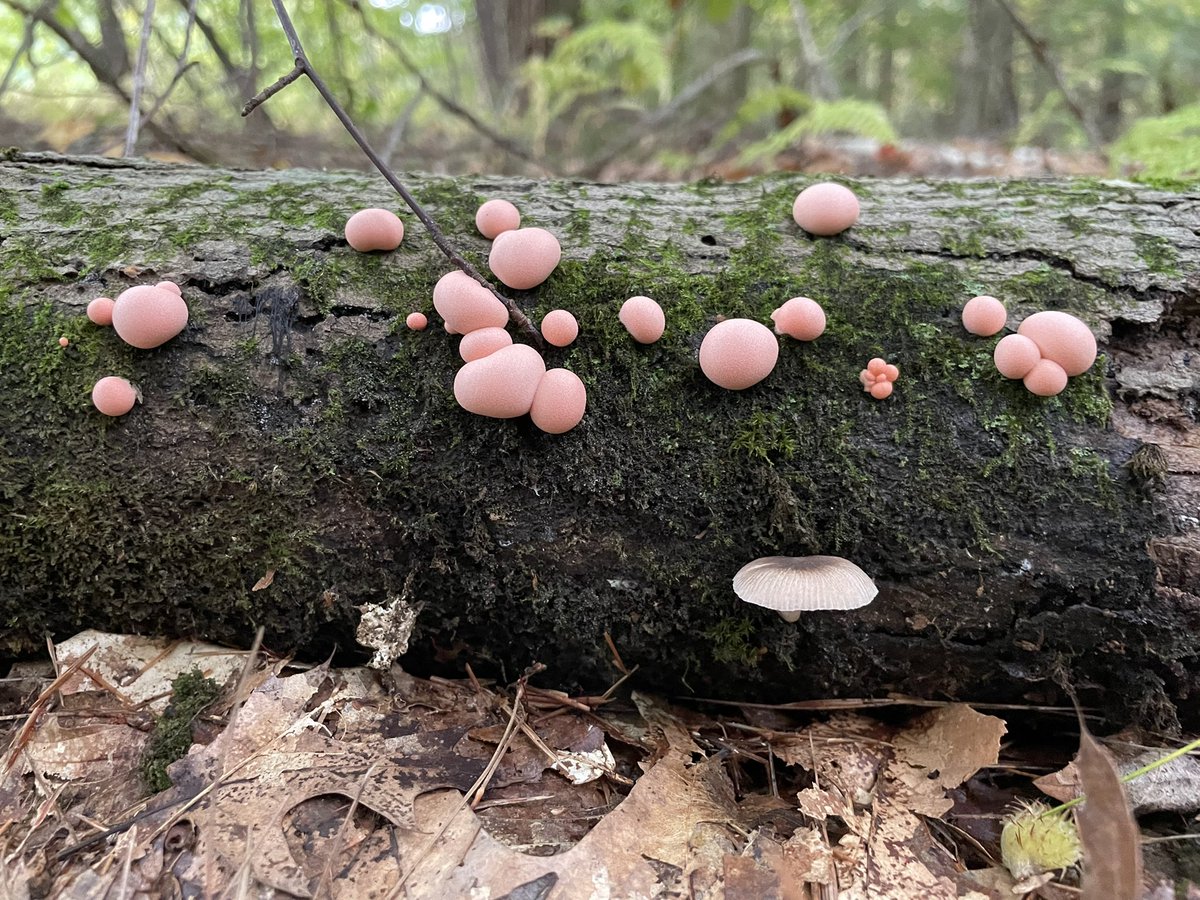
column 304, row 66
column 790, row 616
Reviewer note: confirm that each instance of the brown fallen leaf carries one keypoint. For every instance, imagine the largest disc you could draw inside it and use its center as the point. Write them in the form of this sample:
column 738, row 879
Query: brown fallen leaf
column 950, row 744
column 265, row 582
column 1107, row 829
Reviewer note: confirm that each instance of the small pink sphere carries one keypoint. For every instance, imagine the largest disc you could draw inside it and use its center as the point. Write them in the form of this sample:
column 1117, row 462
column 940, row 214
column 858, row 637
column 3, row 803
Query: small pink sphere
column 825, row 209
column 64, row 341
column 984, row 315
column 559, row 328
column 881, row 390
column 877, row 366
column 1063, row 338
column 100, row 311
column 501, row 385
column 170, row 286
column 1046, row 378
column 466, row 305
column 738, row 353
column 496, row 217
column 800, row 318
column 147, row 317
column 525, row 257
column 374, row 229
column 114, row 396
column 483, row 342
column 643, row 318
column 417, row 321
column 559, row 403
column 890, row 372
column 867, row 379
column 1015, row 355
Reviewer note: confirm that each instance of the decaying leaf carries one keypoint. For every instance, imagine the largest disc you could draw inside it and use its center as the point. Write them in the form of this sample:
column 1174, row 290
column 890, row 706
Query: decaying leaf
column 951, row 743
column 386, row 628
column 1112, row 861
column 265, row 582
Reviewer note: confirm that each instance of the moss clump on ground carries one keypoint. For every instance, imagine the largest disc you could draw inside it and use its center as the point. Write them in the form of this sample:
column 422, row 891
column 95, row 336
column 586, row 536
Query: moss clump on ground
column 191, row 695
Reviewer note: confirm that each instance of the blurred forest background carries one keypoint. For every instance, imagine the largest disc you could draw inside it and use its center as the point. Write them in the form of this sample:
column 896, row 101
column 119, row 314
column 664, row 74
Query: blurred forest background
column 622, row 89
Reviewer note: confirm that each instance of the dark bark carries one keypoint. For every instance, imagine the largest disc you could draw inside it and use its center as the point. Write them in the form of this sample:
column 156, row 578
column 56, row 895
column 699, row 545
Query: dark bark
column 1109, row 117
column 986, row 96
column 297, row 426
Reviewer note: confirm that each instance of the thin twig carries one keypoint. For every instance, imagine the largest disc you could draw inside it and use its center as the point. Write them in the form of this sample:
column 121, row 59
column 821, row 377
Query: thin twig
column 304, row 66
column 181, row 65
column 26, row 43
column 271, row 90
column 327, row 871
column 139, row 81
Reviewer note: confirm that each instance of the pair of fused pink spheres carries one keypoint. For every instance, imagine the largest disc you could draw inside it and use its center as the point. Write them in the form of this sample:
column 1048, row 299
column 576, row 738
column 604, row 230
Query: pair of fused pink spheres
column 512, row 380
column 522, row 258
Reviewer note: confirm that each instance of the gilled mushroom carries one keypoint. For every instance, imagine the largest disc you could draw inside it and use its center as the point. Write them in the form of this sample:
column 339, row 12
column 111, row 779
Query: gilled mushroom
column 792, row 585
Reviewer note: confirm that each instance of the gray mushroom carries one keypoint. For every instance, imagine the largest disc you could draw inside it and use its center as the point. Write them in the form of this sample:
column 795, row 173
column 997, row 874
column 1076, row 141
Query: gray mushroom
column 792, row 585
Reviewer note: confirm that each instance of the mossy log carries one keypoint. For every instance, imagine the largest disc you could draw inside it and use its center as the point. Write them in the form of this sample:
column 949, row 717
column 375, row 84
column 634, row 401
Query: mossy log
column 296, row 426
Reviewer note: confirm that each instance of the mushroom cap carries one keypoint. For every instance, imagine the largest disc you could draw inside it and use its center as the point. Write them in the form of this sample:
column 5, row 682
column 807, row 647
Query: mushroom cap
column 1063, row 338
column 146, row 317
column 417, row 321
column 1015, row 355
column 495, row 217
column 525, row 257
column 738, row 353
column 801, row 318
column 467, row 305
column 643, row 318
column 1046, row 378
column 559, row 403
column 114, row 396
column 170, row 286
column 483, row 342
column 374, row 229
column 795, row 584
column 501, row 385
column 100, row 311
column 559, row 328
column 984, row 315
column 825, row 208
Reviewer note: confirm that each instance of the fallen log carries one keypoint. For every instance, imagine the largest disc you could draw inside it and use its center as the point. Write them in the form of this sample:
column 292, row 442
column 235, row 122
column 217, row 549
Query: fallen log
column 297, row 428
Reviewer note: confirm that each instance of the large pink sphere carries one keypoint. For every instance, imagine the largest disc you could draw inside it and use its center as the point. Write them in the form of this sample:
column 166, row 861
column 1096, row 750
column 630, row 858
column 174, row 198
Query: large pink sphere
column 148, row 317
column 738, row 353
column 1015, row 355
column 466, row 305
column 801, row 318
column 483, row 342
column 524, row 258
column 100, row 311
column 1062, row 338
column 114, row 396
column 825, row 208
column 643, row 318
column 374, row 229
column 1046, row 378
column 984, row 315
column 559, row 403
column 501, row 385
column 496, row 217
column 559, row 328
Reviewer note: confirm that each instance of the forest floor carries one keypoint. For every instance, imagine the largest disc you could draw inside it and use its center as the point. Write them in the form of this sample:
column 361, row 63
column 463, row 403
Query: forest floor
column 309, row 780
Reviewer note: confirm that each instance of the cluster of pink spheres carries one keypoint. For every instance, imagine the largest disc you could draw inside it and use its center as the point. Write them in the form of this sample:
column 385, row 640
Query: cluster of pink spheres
column 1048, row 348
column 878, row 377
column 144, row 316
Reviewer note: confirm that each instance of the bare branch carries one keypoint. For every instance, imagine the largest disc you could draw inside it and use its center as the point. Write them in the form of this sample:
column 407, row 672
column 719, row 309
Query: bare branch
column 26, row 43
column 1042, row 54
column 304, row 67
column 181, row 66
column 139, row 81
column 271, row 90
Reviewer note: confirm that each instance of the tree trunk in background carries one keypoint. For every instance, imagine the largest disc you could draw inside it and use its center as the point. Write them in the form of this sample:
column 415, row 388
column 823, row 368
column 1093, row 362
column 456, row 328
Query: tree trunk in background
column 507, row 37
column 986, row 97
column 817, row 77
column 1109, row 118
column 298, row 428
column 886, row 83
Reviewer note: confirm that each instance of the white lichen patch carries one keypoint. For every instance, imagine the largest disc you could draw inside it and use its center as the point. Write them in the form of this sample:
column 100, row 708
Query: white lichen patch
column 386, row 628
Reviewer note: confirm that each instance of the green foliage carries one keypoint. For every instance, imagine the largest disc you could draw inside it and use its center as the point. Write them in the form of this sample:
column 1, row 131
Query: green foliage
column 191, row 694
column 1162, row 146
column 817, row 117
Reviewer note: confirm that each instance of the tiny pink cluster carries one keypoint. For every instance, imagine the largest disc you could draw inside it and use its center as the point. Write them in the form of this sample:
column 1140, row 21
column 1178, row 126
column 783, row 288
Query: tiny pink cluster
column 878, row 378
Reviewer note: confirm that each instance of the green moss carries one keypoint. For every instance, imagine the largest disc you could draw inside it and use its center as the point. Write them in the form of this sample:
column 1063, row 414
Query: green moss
column 56, row 207
column 732, row 642
column 191, row 695
column 450, row 204
column 1157, row 253
column 9, row 213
